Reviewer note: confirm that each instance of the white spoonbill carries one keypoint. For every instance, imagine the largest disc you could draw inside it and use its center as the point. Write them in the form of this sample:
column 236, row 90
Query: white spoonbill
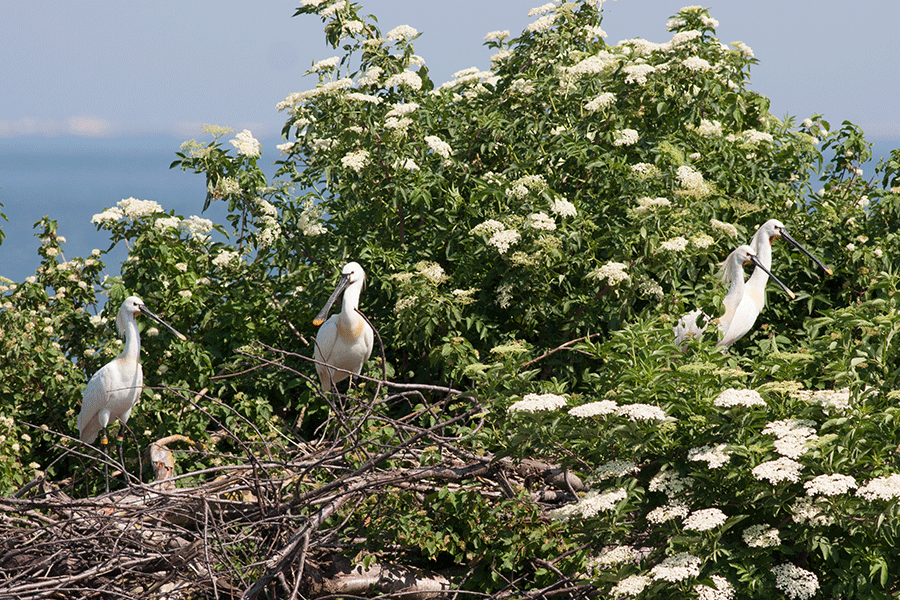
column 112, row 391
column 346, row 339
column 755, row 288
column 742, row 302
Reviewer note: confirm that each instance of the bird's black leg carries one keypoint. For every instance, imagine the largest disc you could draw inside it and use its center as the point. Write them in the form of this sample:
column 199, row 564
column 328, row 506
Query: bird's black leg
column 104, row 444
column 119, row 441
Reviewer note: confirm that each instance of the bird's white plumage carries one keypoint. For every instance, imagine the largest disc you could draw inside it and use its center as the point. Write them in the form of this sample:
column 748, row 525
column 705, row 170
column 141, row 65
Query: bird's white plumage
column 742, row 311
column 345, row 340
column 113, row 390
column 743, row 303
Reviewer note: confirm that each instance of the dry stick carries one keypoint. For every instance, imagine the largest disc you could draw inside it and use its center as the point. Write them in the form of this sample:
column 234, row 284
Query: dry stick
column 557, row 349
column 286, row 554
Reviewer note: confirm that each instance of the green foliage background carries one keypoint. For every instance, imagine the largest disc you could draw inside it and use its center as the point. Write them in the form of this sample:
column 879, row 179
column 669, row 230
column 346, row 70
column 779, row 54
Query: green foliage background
column 415, row 181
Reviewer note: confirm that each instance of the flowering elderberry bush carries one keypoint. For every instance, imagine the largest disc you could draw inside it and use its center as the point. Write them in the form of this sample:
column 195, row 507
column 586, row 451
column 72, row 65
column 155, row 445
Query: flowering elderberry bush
column 531, row 233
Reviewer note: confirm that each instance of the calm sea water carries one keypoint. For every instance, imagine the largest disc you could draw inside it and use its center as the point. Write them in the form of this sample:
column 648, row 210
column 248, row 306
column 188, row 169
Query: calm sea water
column 72, row 180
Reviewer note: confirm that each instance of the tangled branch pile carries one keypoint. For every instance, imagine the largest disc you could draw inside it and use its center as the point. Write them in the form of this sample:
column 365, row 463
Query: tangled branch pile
column 266, row 528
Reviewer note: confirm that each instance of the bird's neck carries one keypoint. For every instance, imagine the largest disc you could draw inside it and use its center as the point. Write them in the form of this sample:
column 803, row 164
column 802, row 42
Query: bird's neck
column 132, row 349
column 349, row 316
column 764, row 253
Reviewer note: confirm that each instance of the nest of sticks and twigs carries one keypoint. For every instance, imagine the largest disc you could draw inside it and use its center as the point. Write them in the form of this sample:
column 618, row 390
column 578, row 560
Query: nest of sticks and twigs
column 268, row 524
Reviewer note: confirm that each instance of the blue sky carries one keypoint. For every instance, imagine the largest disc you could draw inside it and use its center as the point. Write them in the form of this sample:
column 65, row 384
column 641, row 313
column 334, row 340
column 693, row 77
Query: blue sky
column 93, row 68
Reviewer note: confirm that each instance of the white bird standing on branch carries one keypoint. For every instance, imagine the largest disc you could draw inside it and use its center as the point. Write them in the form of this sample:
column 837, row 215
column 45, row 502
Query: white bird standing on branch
column 346, row 339
column 113, row 390
column 742, row 303
column 754, row 298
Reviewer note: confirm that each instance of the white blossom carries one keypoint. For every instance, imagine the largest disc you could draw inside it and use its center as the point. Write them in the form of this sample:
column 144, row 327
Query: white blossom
column 642, row 412
column 714, row 456
column 728, row 228
column 761, row 536
column 705, row 519
column 503, row 240
column 594, row 409
column 613, row 273
column 438, row 146
column 677, row 568
column 677, row 244
column 625, row 137
column 796, row 583
column 538, row 402
column 830, row 485
column 881, row 488
column 541, row 221
column 402, row 32
column 355, row 160
column 776, row 471
column 602, row 101
column 563, row 207
column 630, row 586
column 721, row 589
column 667, row 512
column 733, row 397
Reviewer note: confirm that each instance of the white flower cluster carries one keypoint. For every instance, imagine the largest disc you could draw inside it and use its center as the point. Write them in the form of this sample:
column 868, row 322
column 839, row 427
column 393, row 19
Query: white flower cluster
column 293, row 100
column 594, row 409
column 709, row 128
column 881, row 488
column 721, row 589
column 714, row 456
column 537, row 402
column 830, row 400
column 197, row 227
column 733, row 397
column 402, row 32
column 671, row 484
column 691, row 179
column 728, row 228
column 625, row 137
column 542, row 24
column 677, row 244
column 602, row 101
column 776, row 471
column 647, row 204
column 355, row 160
column 487, row 227
column 246, row 143
column 614, row 555
column 812, row 510
column 591, row 504
column 503, row 240
column 630, row 586
column 791, row 436
column 404, row 78
column 431, row 271
column 562, row 207
column 324, row 64
column 541, row 221
column 761, row 536
column 614, row 468
column 613, row 273
column 677, row 568
column 796, row 583
column 705, row 519
column 637, row 73
column 695, row 63
column 438, row 146
column 830, row 485
column 668, row 511
column 497, row 35
column 225, row 258
column 642, row 412
column 400, row 109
